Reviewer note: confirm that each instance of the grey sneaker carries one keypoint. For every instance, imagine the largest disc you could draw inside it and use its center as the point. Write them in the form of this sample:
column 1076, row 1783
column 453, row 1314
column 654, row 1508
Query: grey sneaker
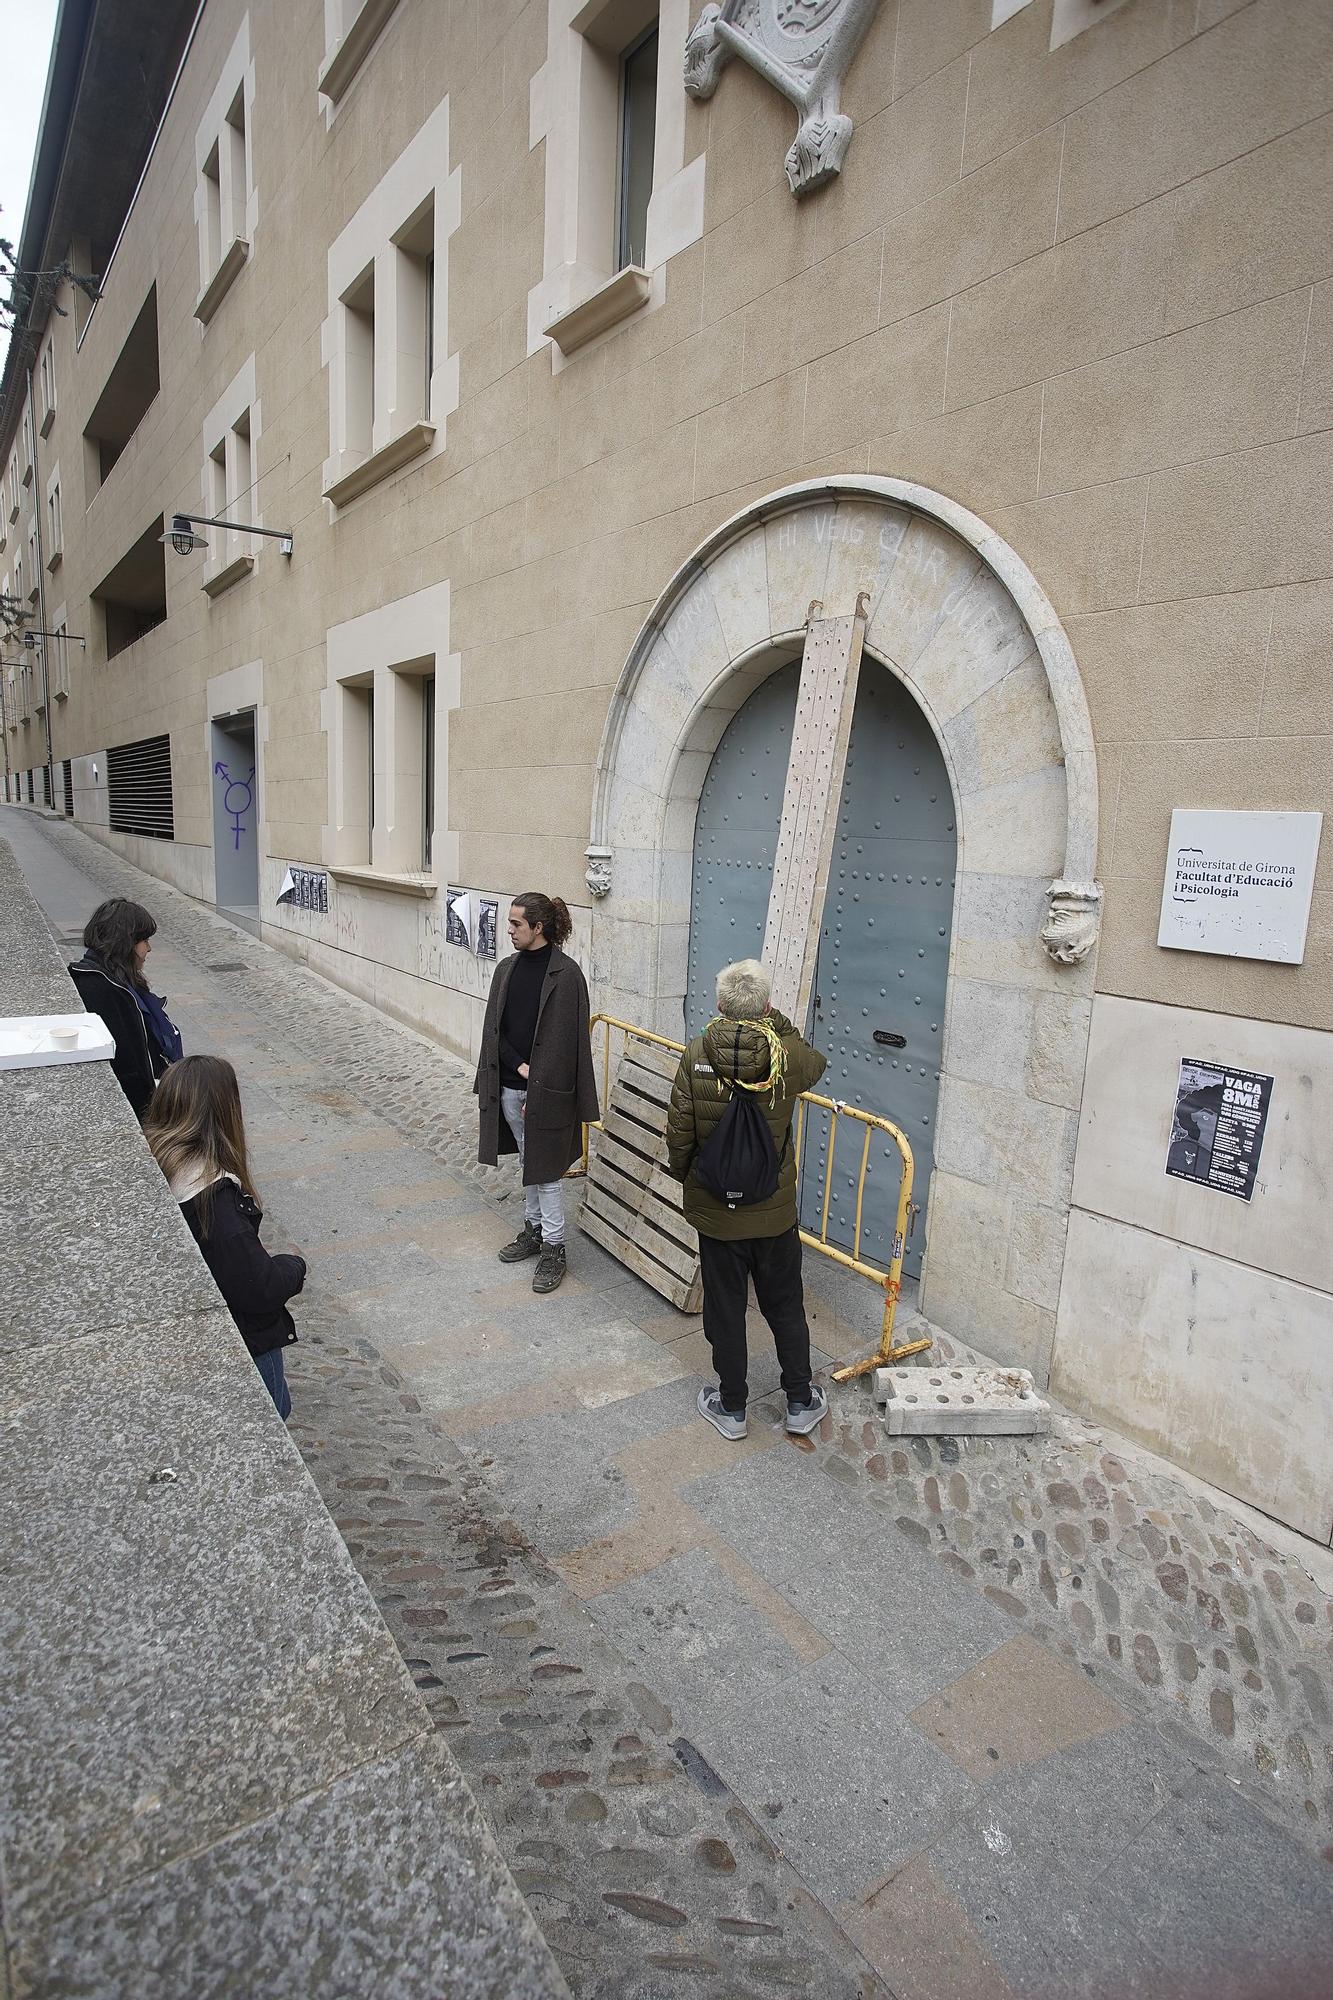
column 805, row 1417
column 731, row 1423
column 550, row 1270
column 527, row 1243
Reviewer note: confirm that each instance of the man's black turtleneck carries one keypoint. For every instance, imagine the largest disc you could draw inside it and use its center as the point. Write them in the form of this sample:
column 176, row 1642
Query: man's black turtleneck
column 518, row 1023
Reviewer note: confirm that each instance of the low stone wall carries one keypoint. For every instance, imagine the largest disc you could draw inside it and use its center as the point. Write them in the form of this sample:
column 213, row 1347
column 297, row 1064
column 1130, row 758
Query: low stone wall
column 216, row 1776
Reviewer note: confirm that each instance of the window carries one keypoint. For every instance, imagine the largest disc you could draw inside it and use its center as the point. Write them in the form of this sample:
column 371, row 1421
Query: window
column 130, row 390
column 229, row 487
column 356, row 802
column 138, row 784
column 57, row 658
column 14, row 488
column 34, row 567
column 55, row 533
column 132, row 597
column 226, row 210
column 351, row 28
column 388, row 743
column 620, row 198
column 391, row 384
column 428, row 769
column 638, row 114
column 29, row 452
column 48, row 381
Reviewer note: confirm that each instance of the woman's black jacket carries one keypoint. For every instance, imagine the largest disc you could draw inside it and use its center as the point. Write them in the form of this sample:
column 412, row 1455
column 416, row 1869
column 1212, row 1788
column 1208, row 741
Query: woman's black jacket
column 137, row 1063
column 255, row 1286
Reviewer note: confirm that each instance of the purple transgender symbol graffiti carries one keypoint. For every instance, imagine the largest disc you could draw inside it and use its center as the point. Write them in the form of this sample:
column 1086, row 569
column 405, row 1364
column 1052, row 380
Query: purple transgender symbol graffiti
column 237, row 797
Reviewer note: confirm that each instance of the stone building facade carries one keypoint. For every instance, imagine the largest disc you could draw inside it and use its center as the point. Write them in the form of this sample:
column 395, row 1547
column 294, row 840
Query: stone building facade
column 579, row 350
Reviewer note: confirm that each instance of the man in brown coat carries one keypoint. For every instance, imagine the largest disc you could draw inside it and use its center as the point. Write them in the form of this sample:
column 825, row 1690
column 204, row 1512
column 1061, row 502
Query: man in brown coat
column 535, row 1082
column 748, row 1047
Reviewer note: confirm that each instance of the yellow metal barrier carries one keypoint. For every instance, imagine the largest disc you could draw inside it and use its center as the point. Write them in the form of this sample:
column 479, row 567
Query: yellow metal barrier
column 891, row 1280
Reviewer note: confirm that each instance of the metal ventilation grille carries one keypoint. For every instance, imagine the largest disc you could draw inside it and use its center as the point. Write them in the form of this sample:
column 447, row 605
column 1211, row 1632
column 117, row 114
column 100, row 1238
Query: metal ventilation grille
column 46, row 785
column 68, row 771
column 138, row 781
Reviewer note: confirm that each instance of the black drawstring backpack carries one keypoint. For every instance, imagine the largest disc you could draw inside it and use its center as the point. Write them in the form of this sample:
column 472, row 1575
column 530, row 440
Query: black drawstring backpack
column 738, row 1162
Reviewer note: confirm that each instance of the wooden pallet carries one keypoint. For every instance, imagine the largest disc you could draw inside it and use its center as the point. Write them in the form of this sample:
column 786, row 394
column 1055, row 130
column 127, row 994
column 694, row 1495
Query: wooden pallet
column 632, row 1205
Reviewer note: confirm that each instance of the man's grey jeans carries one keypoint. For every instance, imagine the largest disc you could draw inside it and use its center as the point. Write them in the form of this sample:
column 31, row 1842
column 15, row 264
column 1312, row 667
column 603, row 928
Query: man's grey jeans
column 544, row 1205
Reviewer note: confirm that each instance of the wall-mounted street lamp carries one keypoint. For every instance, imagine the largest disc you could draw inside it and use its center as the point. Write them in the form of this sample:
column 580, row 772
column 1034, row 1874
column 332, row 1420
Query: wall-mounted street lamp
column 32, row 635
column 183, row 538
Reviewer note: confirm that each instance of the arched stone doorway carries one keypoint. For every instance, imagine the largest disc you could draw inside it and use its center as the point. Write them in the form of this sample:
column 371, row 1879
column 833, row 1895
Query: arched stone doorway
column 963, row 624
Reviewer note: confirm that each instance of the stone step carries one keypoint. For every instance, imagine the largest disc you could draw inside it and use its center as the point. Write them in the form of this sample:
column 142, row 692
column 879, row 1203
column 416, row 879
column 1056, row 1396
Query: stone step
column 960, row 1402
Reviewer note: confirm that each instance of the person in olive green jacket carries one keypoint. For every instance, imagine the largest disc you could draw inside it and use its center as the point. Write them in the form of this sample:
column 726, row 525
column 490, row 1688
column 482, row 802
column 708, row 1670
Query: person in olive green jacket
column 749, row 1047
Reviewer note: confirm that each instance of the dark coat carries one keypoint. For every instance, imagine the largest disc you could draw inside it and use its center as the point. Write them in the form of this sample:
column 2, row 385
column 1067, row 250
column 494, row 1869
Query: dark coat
column 562, row 1088
column 137, row 1063
column 254, row 1285
column 697, row 1104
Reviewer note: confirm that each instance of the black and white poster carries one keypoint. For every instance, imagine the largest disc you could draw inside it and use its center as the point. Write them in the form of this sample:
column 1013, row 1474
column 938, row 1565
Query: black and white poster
column 487, row 923
column 305, row 889
column 1217, row 1132
column 458, row 917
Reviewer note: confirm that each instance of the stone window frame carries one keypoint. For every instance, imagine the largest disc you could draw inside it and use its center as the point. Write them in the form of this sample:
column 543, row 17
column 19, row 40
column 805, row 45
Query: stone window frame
column 58, row 663
column 379, row 418
column 35, row 586
column 46, row 370
column 232, row 428
column 352, row 28
column 226, row 201
column 574, row 105
column 28, row 452
column 389, row 652
column 14, row 485
column 55, row 519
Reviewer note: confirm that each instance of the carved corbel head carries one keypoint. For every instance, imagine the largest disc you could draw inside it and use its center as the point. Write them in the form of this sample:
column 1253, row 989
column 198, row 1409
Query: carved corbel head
column 1073, row 921
column 598, row 877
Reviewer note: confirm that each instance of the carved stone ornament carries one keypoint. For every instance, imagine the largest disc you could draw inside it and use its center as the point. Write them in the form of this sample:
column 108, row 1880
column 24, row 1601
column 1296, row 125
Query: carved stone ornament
column 1073, row 921
column 598, row 877
column 804, row 48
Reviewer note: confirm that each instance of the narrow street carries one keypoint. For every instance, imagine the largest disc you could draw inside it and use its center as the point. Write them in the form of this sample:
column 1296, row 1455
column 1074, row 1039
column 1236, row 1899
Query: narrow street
column 837, row 1716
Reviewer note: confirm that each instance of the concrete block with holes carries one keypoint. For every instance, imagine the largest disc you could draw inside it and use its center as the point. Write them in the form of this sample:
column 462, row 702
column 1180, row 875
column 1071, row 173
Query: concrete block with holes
column 960, row 1402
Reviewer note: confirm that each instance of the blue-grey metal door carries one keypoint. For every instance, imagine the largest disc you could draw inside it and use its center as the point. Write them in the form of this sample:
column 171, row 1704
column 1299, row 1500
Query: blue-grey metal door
column 878, row 1013
column 736, row 839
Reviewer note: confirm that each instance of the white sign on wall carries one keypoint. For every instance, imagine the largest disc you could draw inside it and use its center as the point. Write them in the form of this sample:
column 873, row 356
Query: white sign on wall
column 1239, row 883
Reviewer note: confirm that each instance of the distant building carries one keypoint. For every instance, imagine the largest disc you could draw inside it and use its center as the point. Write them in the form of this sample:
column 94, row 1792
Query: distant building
column 574, row 389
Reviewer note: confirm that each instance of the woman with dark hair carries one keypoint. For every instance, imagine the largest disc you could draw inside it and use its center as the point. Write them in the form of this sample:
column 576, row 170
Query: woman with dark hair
column 110, row 978
column 197, row 1135
column 535, row 1082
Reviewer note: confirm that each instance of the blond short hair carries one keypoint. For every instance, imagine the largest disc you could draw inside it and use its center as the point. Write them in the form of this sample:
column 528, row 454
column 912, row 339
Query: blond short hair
column 743, row 990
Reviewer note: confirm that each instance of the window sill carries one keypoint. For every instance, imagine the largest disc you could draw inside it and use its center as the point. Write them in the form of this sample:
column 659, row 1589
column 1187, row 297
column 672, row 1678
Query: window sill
column 230, row 573
column 60, row 694
column 221, row 281
column 390, row 458
column 380, row 878
column 54, row 560
column 615, row 300
column 14, row 511
column 26, row 477
column 34, row 593
column 339, row 68
column 47, row 421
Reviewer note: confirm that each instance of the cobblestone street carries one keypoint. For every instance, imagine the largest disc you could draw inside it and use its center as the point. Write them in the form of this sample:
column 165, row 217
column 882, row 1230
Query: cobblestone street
column 842, row 1715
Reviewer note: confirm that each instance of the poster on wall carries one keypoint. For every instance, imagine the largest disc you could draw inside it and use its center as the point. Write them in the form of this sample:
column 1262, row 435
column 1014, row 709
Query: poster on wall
column 458, row 918
column 306, row 889
column 1239, row 883
column 1217, row 1130
column 488, row 911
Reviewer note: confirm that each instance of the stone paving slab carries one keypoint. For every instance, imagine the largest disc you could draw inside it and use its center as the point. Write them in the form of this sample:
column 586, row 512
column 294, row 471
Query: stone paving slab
column 131, row 1740
column 1210, row 1632
column 331, row 1887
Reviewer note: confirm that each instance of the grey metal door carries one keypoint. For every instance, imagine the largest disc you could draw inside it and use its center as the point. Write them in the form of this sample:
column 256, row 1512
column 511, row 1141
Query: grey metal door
column 884, row 943
column 736, row 839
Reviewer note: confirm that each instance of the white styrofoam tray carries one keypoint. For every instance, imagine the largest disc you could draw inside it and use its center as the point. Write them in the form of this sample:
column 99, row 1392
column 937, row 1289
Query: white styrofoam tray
column 28, row 1041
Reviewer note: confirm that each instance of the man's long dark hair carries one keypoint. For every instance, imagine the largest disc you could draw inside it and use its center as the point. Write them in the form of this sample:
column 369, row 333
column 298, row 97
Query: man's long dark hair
column 546, row 913
column 111, row 933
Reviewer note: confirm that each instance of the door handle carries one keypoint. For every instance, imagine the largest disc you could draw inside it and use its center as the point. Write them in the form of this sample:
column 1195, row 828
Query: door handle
column 888, row 1040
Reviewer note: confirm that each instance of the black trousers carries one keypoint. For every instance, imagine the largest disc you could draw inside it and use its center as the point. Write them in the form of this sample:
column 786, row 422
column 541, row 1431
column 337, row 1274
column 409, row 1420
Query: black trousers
column 774, row 1262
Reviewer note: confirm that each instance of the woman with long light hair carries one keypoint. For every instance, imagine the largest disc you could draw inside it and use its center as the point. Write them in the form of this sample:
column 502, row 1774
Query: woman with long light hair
column 197, row 1135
